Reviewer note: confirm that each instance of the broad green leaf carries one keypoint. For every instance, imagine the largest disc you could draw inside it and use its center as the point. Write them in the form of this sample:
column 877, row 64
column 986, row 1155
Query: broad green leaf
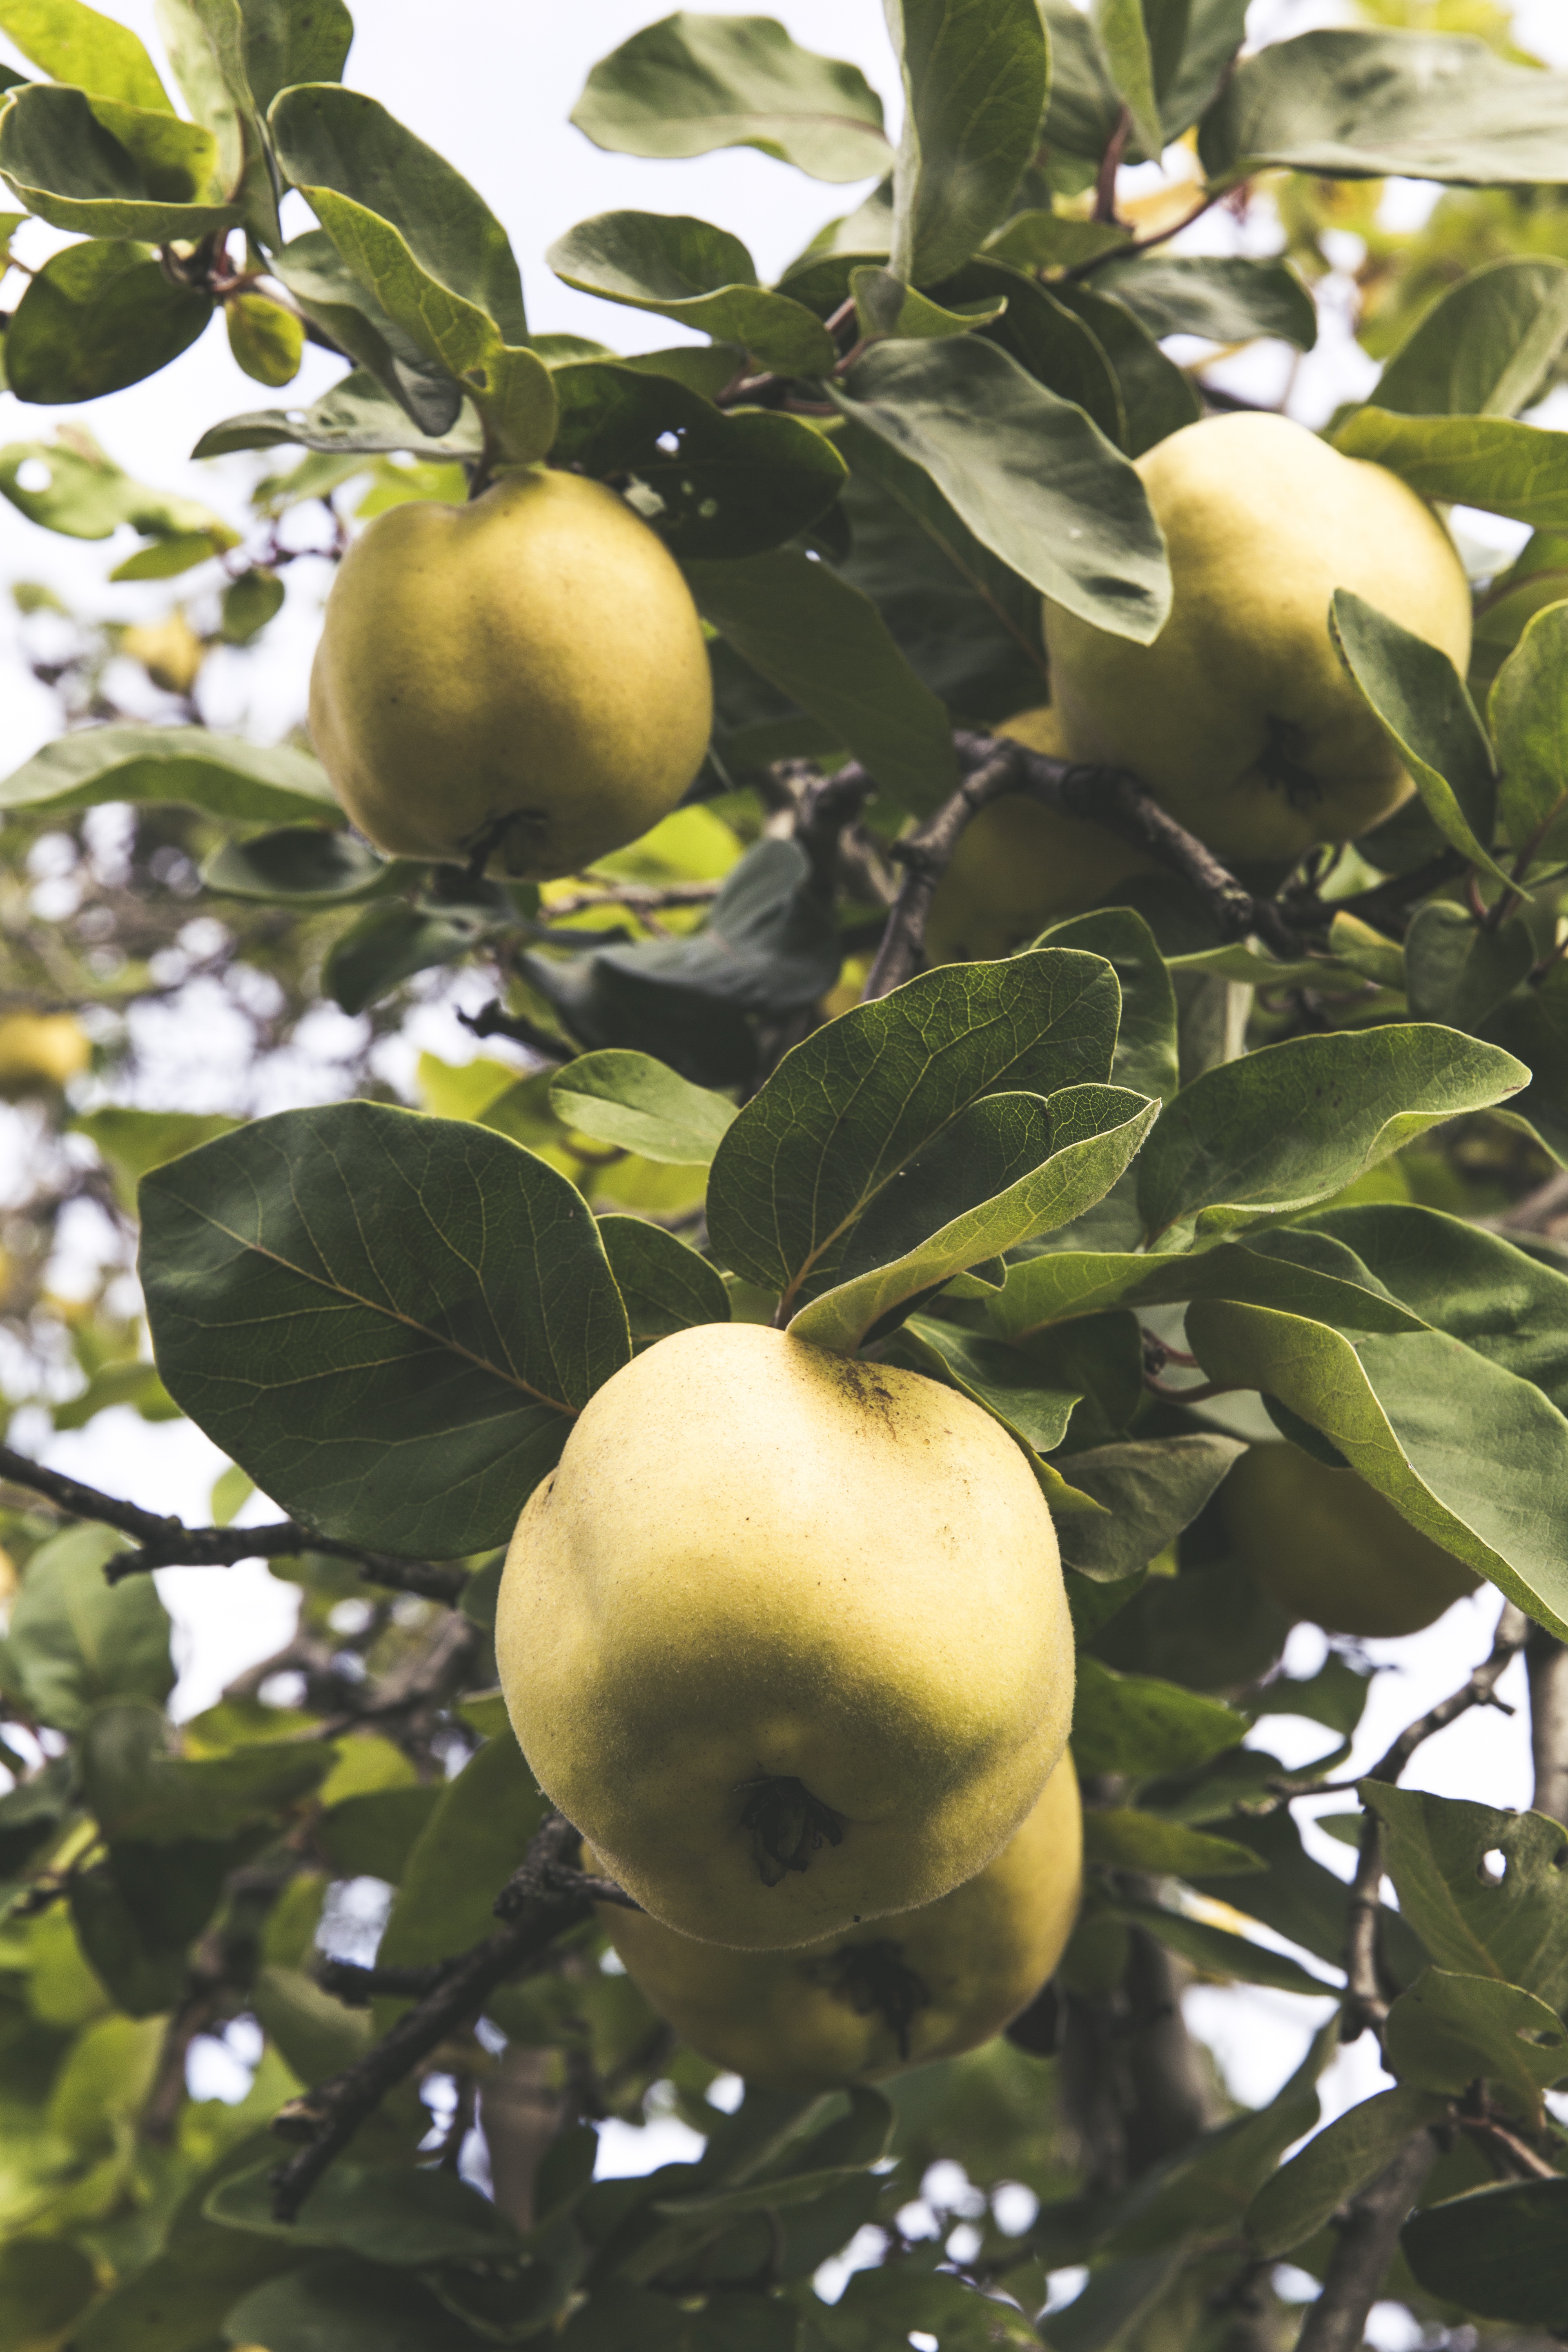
column 104, row 169
column 1079, row 1142
column 138, row 1792
column 72, row 43
column 1356, row 105
column 1124, row 1839
column 1004, row 1383
column 826, row 645
column 96, row 316
column 1225, row 296
column 339, row 304
column 45, row 2283
column 474, row 1840
column 1295, row 2202
column 881, row 2307
column 390, row 942
column 694, row 82
column 1046, row 330
column 1042, row 240
column 1533, row 1024
column 74, row 1641
column 1486, row 345
column 1457, row 973
column 641, row 1104
column 245, row 784
column 1027, row 473
column 1149, row 1491
column 204, row 41
column 1476, row 461
column 1296, row 1895
column 1528, row 714
column 299, row 866
column 389, row 2214
column 356, row 417
column 1510, row 1926
column 1123, row 38
column 1289, row 1125
column 1062, row 1283
column 1216, row 1951
column 1501, row 2251
column 373, row 1835
column 666, row 1286
column 848, row 1110
column 884, row 305
column 1146, row 1057
column 293, row 41
column 1446, row 2029
column 407, row 1397
column 976, row 75
column 1195, row 44
column 1137, row 1724
column 315, row 2035
column 1465, row 1450
column 87, row 496
column 342, row 2304
column 701, row 276
column 1419, row 699
column 182, row 2295
column 1157, row 398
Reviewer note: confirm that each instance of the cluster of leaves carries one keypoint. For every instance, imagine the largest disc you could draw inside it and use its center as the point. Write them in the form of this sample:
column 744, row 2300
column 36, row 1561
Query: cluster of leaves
column 1020, row 1178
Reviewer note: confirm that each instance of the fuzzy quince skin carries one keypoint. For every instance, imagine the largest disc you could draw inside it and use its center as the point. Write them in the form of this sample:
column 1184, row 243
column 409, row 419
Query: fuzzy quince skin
column 1240, row 717
column 784, row 1636
column 896, row 1992
column 1329, row 1548
column 1019, row 866
column 527, row 670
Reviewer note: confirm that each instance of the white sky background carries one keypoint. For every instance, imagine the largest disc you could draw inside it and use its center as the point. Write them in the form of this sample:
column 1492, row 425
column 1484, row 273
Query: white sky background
column 490, row 84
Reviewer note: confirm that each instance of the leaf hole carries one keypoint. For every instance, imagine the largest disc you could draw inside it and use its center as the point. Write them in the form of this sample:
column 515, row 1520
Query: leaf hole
column 1492, row 1868
column 669, row 442
column 1560, row 1859
column 33, row 476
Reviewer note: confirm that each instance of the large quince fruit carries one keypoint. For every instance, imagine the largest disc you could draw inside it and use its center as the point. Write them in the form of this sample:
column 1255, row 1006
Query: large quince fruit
column 40, row 1051
column 895, row 1992
column 1240, row 717
column 784, row 1636
column 527, row 671
column 1328, row 1547
column 1019, row 866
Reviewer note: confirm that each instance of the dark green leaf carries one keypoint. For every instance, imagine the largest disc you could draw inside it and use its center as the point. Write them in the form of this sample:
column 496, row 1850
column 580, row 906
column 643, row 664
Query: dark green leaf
column 1214, row 1951
column 372, row 1836
column 1224, row 297
column 1296, row 2201
column 641, row 1104
column 1419, row 699
column 1151, row 1490
column 1126, row 1840
column 976, row 75
column 243, row 781
column 688, row 270
column 1028, row 474
column 1268, row 1270
column 1146, row 1040
column 392, row 2215
column 1529, row 715
column 1003, row 1381
column 1195, row 43
column 666, row 1286
column 343, row 2304
column 388, row 945
column 409, row 1399
column 1474, row 1920
column 1533, row 1024
column 1123, row 38
column 694, row 82
column 826, row 645
column 249, row 602
column 104, row 169
column 1457, row 973
column 884, row 305
column 1156, row 397
column 1135, row 1723
column 1448, row 2030
column 97, row 317
column 1298, row 1898
column 1501, row 2251
column 1486, row 345
column 794, row 1173
column 476, row 1837
column 1355, row 105
column 1049, row 335
column 291, row 41
column 135, row 1914
column 44, row 2282
column 356, row 417
column 1479, row 461
column 74, row 1641
column 177, row 2301
column 300, row 866
column 138, row 1792
column 1291, row 1123
column 315, row 2035
column 882, row 2306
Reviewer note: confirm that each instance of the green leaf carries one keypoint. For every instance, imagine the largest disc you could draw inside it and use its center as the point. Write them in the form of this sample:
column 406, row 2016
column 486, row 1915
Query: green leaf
column 1036, row 1165
column 1042, row 240
column 1267, row 1272
column 976, row 75
column 373, row 1835
column 408, row 1399
column 827, row 646
column 205, row 40
column 1464, row 1450
column 1157, row 398
column 45, row 2283
column 1418, row 696
column 643, row 1106
column 1123, row 41
column 1286, row 1126
column 266, row 340
column 1477, row 461
column 133, row 1141
column 882, row 2306
column 701, row 276
column 343, row 2305
column 180, row 2296
column 854, row 1104
column 1457, row 973
column 74, row 1641
column 1224, row 297
column 1446, row 2029
column 666, row 1286
column 1355, row 105
column 696, row 82
column 1533, row 1024
column 1125, row 1839
column 1214, row 1951
column 1027, row 473
column 245, row 782
column 355, row 416
column 339, row 304
column 1528, row 714
column 884, row 305
column 97, row 317
column 315, row 2035
column 1486, row 347
column 1501, row 2251
column 74, row 44
column 388, row 944
column 474, row 1840
column 1002, row 1380
column 1510, row 1926
column 389, row 2214
column 1150, row 1490
column 1146, row 1057
column 1048, row 332
column 299, row 866
column 104, row 169
column 87, row 496
column 1135, row 1723
column 140, row 1792
column 1296, row 2201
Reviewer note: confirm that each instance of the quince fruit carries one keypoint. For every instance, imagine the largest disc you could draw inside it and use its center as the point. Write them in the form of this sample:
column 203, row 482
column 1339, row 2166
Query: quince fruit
column 1327, row 1547
column 525, row 675
column 784, row 1636
column 1240, row 717
column 1019, row 866
column 896, row 1992
column 40, row 1052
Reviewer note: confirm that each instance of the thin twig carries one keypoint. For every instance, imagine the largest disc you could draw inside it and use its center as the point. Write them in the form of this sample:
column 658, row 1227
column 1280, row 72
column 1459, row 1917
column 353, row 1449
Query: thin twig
column 1368, row 2237
column 1546, row 1660
column 924, row 856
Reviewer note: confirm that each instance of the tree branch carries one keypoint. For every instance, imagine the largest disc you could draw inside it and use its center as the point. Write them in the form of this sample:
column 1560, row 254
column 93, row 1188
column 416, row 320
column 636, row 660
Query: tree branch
column 1546, row 1659
column 1368, row 2238
column 924, row 856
